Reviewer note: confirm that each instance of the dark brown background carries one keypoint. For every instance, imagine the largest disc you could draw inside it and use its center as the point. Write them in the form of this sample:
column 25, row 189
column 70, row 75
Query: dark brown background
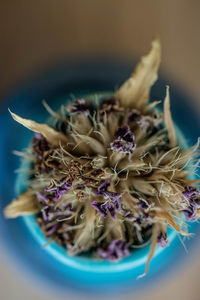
column 34, row 34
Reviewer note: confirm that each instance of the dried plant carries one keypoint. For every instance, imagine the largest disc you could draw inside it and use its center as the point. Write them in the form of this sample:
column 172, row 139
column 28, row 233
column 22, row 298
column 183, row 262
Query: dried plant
column 110, row 175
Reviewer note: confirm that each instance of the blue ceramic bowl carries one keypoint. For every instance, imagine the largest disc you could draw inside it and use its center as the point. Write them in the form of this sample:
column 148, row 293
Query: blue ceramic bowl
column 85, row 263
column 22, row 237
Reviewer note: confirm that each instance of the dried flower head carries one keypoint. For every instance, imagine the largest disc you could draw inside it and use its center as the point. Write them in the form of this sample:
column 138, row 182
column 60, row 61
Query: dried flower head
column 113, row 175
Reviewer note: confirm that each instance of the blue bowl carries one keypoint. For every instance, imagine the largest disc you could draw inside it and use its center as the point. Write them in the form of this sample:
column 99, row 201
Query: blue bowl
column 85, row 263
column 22, row 237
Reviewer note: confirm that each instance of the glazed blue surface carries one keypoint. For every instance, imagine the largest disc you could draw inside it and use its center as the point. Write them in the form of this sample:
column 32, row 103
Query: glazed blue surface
column 22, row 239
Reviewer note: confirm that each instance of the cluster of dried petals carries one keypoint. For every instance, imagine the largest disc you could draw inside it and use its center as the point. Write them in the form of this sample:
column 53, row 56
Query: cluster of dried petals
column 193, row 197
column 111, row 175
column 112, row 203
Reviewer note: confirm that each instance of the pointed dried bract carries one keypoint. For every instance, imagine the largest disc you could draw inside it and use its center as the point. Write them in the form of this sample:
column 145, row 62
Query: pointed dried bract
column 52, row 136
column 134, row 93
column 152, row 249
column 168, row 120
column 26, row 204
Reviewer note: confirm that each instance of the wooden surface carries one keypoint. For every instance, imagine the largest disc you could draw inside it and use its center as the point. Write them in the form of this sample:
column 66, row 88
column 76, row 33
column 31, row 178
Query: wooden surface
column 34, row 34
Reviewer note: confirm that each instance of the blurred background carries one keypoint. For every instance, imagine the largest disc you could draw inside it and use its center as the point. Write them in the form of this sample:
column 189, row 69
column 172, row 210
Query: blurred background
column 37, row 34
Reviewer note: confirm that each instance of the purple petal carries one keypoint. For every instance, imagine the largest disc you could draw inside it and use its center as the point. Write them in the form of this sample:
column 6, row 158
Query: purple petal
column 190, row 213
column 44, row 213
column 100, row 207
column 59, row 190
column 115, row 198
column 143, row 204
column 113, row 202
column 110, row 207
column 42, row 197
column 162, row 240
column 103, row 187
column 116, row 250
column 122, row 146
column 193, row 196
column 191, row 193
column 38, row 136
column 52, row 230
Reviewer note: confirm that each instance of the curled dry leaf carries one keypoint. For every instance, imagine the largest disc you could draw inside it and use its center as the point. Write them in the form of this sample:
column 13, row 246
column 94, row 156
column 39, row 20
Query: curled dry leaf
column 24, row 205
column 134, row 93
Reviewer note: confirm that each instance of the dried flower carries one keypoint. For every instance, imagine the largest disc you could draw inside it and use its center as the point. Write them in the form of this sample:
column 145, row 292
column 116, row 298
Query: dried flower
column 112, row 168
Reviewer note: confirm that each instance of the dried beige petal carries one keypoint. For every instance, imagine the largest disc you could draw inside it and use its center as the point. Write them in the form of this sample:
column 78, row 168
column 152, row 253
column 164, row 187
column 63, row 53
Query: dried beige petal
column 53, row 137
column 83, row 238
column 152, row 249
column 112, row 124
column 134, row 93
column 142, row 186
column 147, row 144
column 81, row 124
column 134, row 165
column 90, row 143
column 24, row 205
column 168, row 120
column 116, row 228
column 167, row 217
column 115, row 158
column 103, row 134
